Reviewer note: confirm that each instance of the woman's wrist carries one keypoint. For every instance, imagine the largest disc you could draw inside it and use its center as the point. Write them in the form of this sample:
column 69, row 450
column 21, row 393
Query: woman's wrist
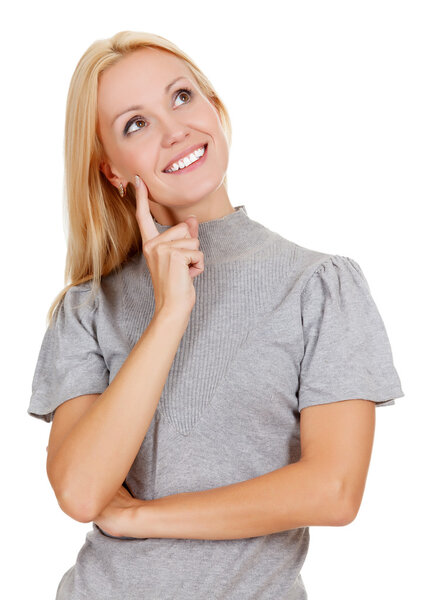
column 138, row 520
column 174, row 318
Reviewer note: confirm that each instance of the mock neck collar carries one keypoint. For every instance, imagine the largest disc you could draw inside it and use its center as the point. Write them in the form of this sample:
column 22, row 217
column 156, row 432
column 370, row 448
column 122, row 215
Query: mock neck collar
column 228, row 237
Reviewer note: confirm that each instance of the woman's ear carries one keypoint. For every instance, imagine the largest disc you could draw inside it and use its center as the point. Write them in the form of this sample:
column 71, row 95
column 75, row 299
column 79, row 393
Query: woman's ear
column 110, row 175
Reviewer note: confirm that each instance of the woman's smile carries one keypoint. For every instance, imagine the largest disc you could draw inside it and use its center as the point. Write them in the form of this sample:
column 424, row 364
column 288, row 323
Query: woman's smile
column 189, row 163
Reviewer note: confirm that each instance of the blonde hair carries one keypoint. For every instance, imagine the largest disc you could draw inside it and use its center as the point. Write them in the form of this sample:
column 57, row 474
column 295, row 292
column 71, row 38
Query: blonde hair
column 103, row 231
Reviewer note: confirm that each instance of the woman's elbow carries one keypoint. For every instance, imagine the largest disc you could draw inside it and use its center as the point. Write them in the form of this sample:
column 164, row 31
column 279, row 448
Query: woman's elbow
column 82, row 514
column 346, row 513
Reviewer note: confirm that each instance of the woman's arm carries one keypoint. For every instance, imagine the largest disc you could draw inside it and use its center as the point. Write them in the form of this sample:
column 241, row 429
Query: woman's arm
column 95, row 457
column 324, row 487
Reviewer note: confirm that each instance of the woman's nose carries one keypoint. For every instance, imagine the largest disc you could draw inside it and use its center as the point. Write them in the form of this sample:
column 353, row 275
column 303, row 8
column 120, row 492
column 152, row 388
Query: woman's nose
column 172, row 136
column 172, row 129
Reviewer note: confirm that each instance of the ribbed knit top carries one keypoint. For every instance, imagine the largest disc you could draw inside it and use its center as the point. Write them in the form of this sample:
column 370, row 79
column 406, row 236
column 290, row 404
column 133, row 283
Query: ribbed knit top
column 276, row 327
column 228, row 238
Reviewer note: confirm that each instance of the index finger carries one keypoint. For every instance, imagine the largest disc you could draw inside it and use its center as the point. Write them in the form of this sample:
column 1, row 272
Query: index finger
column 143, row 214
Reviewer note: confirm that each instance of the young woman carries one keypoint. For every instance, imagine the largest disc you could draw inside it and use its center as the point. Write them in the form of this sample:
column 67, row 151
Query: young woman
column 211, row 385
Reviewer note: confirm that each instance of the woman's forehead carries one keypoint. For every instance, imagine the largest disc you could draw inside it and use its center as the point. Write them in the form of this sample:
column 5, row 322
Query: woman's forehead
column 147, row 63
column 140, row 77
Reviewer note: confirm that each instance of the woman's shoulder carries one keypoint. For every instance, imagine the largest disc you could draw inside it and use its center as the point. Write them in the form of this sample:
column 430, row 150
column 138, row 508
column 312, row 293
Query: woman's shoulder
column 303, row 263
column 300, row 257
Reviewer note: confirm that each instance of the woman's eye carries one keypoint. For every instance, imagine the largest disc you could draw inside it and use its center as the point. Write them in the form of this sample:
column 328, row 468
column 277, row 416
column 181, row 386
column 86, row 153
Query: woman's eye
column 183, row 92
column 136, row 120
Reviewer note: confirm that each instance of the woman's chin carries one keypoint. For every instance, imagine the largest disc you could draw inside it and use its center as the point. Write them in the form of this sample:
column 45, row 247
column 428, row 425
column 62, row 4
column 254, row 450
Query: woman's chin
column 191, row 191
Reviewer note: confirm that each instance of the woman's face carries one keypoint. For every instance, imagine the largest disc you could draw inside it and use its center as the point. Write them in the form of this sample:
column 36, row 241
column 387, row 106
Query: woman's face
column 143, row 125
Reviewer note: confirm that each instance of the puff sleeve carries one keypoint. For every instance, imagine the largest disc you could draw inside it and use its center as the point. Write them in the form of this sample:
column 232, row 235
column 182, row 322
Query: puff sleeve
column 70, row 361
column 347, row 353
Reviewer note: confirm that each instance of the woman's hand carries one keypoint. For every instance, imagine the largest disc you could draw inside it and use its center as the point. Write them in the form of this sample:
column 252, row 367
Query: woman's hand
column 173, row 257
column 115, row 518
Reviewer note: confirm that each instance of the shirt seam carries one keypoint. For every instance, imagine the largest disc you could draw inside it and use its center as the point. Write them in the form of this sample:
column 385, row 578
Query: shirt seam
column 322, row 262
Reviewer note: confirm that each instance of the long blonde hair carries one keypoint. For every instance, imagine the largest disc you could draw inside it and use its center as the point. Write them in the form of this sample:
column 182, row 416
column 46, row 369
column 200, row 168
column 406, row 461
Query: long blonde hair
column 103, row 231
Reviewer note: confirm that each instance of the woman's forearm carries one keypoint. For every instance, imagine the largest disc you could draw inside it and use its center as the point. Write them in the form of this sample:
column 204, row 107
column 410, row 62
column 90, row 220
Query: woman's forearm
column 94, row 459
column 298, row 495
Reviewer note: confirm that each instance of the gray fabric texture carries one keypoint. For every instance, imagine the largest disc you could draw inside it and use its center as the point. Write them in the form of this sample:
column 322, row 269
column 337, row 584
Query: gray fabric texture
column 276, row 327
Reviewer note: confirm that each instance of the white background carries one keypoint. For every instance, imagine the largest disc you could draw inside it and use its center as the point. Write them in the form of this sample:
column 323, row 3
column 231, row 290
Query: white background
column 330, row 104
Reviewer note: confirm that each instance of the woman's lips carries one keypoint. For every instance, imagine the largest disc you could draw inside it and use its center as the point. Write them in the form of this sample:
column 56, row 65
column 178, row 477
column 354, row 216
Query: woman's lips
column 192, row 166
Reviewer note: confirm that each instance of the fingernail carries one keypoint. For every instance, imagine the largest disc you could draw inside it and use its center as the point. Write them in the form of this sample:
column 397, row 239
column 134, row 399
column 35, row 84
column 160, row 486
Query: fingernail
column 193, row 216
column 137, row 181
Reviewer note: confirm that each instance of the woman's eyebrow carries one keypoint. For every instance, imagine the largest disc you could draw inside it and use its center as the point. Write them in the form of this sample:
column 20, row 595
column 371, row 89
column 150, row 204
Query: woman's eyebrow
column 139, row 106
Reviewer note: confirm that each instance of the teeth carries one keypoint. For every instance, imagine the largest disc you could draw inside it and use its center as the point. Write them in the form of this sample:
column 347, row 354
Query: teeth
column 187, row 160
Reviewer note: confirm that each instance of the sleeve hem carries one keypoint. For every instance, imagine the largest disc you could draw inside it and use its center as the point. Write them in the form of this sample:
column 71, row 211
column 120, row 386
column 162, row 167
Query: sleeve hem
column 46, row 413
column 380, row 399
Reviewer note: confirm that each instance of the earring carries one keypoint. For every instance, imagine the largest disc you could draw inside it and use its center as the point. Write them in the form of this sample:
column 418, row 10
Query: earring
column 121, row 189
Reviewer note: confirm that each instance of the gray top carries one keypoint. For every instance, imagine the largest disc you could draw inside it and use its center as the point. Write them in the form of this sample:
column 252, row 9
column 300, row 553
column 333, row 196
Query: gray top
column 276, row 327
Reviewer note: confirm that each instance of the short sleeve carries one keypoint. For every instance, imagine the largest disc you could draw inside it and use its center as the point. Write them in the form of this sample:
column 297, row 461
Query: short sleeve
column 70, row 361
column 347, row 353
